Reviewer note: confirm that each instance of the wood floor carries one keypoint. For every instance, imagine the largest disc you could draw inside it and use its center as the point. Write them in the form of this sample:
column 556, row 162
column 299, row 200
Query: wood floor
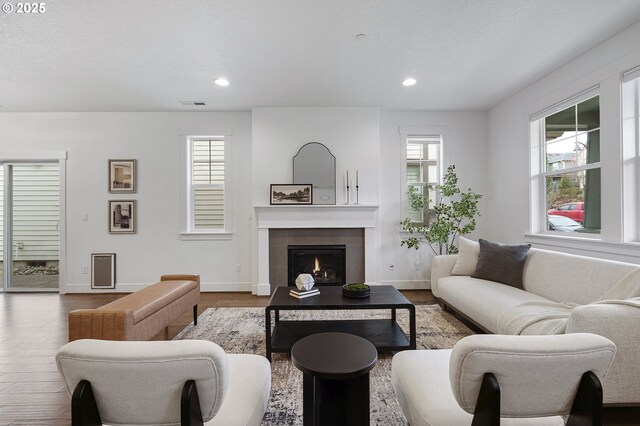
column 34, row 326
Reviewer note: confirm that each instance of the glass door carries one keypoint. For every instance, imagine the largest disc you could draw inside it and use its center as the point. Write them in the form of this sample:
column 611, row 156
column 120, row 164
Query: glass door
column 31, row 220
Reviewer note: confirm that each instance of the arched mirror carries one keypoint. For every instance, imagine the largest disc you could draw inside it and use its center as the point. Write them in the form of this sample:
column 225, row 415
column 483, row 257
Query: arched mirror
column 315, row 164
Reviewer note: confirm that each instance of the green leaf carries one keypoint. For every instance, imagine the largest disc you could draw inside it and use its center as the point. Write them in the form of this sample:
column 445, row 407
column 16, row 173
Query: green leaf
column 454, row 215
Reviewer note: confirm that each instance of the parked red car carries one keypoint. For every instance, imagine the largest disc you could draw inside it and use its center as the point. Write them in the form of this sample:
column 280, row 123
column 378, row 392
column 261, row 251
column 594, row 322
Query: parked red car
column 574, row 211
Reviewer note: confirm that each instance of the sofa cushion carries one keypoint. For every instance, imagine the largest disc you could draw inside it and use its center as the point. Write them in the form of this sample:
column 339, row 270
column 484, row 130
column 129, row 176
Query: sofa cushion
column 467, row 257
column 501, row 262
column 482, row 300
column 536, row 318
column 627, row 288
column 152, row 298
column 563, row 277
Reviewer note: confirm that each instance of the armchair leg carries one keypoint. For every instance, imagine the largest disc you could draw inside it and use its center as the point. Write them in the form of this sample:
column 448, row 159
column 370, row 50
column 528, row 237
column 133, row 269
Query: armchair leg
column 487, row 412
column 587, row 405
column 195, row 314
column 84, row 410
column 190, row 412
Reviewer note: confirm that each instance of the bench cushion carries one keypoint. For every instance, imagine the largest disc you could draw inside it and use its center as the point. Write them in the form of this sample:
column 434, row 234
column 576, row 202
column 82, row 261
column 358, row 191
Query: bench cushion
column 151, row 299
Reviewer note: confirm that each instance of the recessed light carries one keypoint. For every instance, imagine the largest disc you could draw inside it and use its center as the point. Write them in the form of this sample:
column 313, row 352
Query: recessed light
column 221, row 82
column 360, row 36
column 409, row 82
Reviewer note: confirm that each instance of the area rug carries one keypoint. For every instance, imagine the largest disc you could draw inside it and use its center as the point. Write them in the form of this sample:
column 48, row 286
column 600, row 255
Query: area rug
column 241, row 330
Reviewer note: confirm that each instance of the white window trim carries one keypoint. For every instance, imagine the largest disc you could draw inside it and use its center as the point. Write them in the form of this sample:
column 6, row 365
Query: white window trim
column 408, row 132
column 186, row 233
column 630, row 81
column 538, row 174
column 47, row 156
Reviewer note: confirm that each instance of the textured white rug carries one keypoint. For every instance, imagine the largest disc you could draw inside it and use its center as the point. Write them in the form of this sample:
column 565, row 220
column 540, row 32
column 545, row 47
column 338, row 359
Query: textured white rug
column 241, row 330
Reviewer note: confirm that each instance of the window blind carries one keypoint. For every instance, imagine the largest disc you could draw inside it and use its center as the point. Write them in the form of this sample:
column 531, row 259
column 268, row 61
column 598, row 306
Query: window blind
column 207, row 180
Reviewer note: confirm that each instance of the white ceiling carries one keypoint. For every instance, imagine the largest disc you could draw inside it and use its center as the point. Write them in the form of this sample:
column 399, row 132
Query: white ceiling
column 147, row 55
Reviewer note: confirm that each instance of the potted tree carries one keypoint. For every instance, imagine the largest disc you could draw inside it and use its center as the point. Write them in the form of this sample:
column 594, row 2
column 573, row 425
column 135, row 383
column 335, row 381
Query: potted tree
column 451, row 215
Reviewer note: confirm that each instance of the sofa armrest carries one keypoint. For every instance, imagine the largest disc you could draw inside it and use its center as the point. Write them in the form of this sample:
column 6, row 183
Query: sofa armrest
column 619, row 323
column 441, row 267
column 100, row 324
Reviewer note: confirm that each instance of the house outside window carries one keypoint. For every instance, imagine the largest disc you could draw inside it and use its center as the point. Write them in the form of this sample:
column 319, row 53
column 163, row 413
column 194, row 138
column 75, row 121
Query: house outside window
column 570, row 165
column 206, row 184
column 423, row 169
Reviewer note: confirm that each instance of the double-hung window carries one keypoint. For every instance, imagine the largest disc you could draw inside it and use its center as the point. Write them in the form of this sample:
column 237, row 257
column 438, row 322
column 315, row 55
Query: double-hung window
column 569, row 142
column 423, row 170
column 206, row 184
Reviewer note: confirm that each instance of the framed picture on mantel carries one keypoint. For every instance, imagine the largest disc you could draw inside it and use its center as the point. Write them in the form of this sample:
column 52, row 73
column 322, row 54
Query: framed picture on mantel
column 287, row 194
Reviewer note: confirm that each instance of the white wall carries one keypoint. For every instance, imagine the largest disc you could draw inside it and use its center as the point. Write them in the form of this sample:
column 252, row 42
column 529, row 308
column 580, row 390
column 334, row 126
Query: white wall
column 464, row 145
column 351, row 134
column 262, row 148
column 154, row 140
column 508, row 148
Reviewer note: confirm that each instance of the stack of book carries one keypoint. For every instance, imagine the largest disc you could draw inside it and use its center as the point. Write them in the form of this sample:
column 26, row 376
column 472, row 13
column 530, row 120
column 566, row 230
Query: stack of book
column 301, row 294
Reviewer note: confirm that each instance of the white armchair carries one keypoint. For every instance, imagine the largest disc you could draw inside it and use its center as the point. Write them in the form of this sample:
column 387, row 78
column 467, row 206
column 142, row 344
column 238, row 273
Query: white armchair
column 508, row 380
column 163, row 383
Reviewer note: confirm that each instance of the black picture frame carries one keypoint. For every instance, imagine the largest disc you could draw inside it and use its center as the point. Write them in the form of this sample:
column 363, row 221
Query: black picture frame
column 122, row 216
column 287, row 194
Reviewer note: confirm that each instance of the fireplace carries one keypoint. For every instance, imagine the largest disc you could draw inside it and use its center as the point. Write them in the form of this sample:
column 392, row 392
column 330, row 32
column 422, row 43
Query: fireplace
column 325, row 263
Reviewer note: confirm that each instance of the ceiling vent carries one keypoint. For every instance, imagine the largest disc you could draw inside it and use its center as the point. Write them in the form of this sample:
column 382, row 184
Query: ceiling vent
column 192, row 103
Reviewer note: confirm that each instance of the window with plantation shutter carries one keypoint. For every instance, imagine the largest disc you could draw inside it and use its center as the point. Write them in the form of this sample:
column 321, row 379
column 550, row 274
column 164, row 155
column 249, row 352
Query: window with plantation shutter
column 207, row 184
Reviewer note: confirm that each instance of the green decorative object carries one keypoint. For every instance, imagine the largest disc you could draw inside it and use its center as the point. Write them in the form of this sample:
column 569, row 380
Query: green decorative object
column 357, row 290
column 451, row 215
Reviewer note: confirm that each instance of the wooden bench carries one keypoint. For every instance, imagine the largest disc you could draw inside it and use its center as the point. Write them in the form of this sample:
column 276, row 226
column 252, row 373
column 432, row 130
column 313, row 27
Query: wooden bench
column 140, row 315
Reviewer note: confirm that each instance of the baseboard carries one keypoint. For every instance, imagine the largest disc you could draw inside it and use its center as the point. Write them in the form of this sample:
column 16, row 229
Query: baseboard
column 408, row 285
column 261, row 289
column 131, row 287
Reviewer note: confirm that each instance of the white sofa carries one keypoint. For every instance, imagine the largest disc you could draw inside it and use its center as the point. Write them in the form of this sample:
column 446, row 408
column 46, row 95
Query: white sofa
column 561, row 293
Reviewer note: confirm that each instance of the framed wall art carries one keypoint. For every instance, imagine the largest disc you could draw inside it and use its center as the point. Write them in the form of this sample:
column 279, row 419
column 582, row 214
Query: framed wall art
column 122, row 216
column 122, row 176
column 287, row 194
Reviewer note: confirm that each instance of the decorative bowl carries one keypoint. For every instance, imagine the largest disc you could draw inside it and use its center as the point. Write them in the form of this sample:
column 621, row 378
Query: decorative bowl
column 356, row 291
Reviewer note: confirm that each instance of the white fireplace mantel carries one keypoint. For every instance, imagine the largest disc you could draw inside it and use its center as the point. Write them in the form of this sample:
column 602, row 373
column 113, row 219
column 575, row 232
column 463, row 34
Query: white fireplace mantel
column 316, row 216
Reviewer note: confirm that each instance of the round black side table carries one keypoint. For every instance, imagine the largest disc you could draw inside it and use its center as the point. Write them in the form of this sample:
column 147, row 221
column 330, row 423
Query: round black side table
column 335, row 369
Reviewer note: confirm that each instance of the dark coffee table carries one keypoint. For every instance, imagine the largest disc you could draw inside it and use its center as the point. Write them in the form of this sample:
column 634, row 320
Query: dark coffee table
column 385, row 334
column 335, row 369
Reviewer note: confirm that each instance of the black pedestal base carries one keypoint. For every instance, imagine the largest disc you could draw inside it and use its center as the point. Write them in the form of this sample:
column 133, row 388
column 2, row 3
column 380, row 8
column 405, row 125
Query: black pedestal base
column 329, row 402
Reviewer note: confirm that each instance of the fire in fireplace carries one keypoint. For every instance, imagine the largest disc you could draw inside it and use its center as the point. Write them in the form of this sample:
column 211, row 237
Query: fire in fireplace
column 325, row 263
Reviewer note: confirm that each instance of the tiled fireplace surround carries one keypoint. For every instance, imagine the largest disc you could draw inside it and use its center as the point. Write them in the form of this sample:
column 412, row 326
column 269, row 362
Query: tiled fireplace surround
column 281, row 239
column 352, row 225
